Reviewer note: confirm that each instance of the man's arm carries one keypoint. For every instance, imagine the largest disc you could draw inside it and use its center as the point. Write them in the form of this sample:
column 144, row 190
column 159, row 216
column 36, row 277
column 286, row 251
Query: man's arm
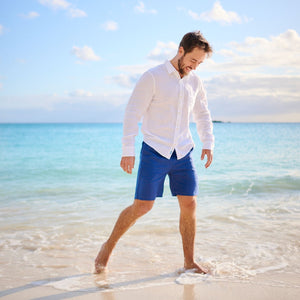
column 204, row 125
column 137, row 105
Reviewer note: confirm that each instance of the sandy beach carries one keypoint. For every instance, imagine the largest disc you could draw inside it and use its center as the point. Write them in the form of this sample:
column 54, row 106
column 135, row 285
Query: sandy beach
column 203, row 290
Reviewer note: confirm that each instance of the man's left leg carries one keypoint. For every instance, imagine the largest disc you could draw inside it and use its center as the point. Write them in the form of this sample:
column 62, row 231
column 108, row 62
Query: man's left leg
column 187, row 228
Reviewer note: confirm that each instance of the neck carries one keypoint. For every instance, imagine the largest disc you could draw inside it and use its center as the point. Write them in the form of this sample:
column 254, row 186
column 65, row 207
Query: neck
column 174, row 63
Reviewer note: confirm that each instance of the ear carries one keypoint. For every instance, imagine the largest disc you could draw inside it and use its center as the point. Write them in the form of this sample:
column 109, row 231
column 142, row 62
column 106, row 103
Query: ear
column 181, row 51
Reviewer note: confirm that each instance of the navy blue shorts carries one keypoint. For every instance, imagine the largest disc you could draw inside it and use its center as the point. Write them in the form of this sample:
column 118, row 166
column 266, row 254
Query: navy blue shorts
column 153, row 170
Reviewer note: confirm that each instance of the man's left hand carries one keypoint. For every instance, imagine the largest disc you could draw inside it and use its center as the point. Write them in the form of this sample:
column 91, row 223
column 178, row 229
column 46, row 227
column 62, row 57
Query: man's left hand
column 209, row 154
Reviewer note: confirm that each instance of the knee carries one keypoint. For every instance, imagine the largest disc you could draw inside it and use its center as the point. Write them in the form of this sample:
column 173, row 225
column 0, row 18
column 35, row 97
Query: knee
column 188, row 204
column 142, row 207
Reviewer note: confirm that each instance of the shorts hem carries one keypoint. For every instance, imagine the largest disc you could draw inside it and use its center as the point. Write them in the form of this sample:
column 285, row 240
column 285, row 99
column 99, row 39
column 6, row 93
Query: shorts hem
column 141, row 198
column 185, row 194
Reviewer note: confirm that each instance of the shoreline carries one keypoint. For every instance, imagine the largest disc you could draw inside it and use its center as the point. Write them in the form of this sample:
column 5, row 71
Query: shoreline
column 202, row 290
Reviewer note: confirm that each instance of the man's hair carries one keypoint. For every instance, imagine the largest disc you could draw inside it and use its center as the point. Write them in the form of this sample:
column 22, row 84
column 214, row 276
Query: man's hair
column 194, row 39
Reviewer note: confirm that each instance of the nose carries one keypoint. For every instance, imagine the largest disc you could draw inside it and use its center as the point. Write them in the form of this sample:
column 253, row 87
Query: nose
column 195, row 65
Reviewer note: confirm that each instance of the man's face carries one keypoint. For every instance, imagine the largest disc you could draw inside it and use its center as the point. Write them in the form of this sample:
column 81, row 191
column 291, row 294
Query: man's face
column 190, row 61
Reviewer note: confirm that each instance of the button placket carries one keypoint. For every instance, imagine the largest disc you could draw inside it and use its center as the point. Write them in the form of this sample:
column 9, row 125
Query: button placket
column 179, row 113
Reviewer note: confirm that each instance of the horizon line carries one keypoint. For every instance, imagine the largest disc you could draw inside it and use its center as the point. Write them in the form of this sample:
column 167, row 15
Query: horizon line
column 119, row 122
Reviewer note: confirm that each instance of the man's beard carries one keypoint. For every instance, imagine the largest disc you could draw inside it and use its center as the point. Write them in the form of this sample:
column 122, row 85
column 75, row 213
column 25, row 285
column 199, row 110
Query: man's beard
column 180, row 67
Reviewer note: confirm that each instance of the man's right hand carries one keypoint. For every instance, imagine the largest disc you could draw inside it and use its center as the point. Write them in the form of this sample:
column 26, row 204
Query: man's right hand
column 127, row 163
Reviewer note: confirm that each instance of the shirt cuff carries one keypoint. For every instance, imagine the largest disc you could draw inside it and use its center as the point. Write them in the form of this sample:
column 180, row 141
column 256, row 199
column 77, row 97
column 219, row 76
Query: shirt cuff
column 208, row 145
column 128, row 151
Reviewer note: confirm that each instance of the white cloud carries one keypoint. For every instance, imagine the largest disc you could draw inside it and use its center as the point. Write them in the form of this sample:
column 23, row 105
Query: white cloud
column 80, row 93
column 239, row 85
column 30, row 15
column 125, row 80
column 86, row 53
column 218, row 14
column 26, row 102
column 106, row 108
column 77, row 13
column 278, row 52
column 50, row 102
column 231, row 97
column 73, row 12
column 278, row 55
column 242, row 97
column 1, row 29
column 137, row 69
column 141, row 8
column 281, row 50
column 110, row 26
column 270, row 94
column 130, row 74
column 56, row 4
column 163, row 51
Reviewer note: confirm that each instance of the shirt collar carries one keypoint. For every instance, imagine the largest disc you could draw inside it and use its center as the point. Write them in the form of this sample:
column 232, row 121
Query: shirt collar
column 171, row 69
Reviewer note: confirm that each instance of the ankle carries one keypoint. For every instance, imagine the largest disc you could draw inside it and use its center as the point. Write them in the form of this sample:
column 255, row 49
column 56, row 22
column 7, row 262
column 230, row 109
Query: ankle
column 189, row 263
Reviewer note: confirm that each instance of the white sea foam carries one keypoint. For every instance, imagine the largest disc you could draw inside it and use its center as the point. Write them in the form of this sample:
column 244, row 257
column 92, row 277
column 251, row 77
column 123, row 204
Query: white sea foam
column 191, row 278
column 123, row 281
column 82, row 283
column 271, row 268
column 226, row 271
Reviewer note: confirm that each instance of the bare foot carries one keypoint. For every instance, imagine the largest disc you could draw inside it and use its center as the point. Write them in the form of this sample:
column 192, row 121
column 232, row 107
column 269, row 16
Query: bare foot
column 196, row 268
column 102, row 259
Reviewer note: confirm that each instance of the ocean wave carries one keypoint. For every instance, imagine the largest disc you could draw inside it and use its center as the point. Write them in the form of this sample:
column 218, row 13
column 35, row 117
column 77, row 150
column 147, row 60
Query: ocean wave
column 252, row 185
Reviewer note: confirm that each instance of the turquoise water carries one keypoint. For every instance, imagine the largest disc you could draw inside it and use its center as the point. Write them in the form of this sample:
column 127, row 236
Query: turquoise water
column 61, row 190
column 67, row 162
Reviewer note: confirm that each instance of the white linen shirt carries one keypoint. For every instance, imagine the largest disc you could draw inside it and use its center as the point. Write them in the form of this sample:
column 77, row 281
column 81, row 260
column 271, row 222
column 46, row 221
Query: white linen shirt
column 165, row 102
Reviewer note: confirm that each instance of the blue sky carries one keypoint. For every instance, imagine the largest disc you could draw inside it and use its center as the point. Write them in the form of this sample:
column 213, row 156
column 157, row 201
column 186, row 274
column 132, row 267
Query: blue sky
column 78, row 61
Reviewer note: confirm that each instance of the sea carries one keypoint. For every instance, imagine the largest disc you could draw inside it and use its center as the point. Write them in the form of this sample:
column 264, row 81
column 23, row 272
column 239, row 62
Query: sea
column 62, row 189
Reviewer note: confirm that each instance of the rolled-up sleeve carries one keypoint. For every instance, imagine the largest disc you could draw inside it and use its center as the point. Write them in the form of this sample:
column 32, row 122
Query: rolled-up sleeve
column 137, row 105
column 202, row 117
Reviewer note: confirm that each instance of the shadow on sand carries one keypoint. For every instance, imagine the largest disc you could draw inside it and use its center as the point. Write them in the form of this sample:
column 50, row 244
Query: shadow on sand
column 100, row 285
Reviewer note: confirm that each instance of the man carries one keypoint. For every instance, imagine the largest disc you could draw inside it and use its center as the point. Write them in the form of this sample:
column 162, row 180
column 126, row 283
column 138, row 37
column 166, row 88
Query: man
column 164, row 98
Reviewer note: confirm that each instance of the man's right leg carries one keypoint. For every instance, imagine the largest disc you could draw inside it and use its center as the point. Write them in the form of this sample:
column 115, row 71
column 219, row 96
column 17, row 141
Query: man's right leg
column 126, row 219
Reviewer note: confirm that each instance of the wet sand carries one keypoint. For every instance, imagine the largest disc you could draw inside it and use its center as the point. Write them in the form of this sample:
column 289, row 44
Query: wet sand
column 207, row 289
